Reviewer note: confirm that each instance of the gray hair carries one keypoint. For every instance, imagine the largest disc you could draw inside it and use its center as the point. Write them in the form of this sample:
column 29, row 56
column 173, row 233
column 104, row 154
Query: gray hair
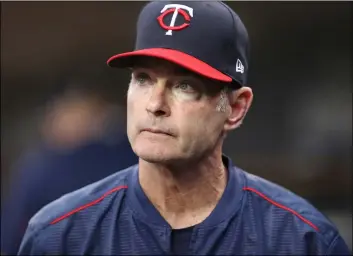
column 223, row 102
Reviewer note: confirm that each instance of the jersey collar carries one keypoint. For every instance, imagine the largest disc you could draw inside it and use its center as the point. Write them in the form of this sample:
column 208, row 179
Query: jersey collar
column 227, row 207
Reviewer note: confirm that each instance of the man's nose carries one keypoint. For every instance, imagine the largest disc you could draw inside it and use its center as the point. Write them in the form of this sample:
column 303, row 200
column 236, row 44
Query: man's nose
column 158, row 101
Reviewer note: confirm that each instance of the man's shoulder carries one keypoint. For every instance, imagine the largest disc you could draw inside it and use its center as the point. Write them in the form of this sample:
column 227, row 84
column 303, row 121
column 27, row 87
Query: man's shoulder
column 78, row 200
column 288, row 203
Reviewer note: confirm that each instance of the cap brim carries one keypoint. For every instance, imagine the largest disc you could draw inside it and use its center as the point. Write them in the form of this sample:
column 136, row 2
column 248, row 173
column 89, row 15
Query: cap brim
column 182, row 59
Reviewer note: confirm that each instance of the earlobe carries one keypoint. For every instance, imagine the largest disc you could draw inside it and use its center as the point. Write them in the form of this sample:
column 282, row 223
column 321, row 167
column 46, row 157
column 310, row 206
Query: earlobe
column 240, row 102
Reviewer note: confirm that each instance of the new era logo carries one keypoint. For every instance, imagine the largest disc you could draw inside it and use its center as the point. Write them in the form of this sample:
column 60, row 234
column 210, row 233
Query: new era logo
column 239, row 67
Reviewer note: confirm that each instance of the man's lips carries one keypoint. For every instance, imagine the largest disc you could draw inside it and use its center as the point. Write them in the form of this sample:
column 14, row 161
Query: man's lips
column 156, row 131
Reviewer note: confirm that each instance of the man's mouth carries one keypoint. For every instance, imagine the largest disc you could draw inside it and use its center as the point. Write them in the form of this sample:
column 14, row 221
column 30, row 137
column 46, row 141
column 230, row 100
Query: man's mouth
column 156, row 131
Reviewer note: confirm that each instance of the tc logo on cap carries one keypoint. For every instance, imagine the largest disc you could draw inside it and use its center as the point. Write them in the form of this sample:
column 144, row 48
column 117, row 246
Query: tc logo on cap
column 175, row 9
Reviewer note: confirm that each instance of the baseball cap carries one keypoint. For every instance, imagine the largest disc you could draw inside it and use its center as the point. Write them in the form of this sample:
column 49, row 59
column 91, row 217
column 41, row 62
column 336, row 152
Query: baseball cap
column 205, row 37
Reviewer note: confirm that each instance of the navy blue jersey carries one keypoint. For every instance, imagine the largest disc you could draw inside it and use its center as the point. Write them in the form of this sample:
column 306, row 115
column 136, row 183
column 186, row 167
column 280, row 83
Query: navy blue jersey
column 115, row 217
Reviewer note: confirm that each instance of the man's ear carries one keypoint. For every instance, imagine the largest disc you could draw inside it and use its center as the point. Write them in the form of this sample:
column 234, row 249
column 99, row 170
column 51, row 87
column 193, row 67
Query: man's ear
column 240, row 102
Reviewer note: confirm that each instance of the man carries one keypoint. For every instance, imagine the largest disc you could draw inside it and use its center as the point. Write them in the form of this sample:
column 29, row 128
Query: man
column 187, row 91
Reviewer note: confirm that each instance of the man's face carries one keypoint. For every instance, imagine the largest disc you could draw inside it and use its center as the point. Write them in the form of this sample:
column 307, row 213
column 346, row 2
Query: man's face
column 172, row 115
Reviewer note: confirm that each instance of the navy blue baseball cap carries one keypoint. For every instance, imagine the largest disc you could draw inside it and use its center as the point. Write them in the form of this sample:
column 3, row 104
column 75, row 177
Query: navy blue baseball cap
column 205, row 37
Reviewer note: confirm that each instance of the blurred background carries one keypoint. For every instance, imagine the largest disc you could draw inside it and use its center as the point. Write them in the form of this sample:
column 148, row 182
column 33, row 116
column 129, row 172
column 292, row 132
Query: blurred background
column 63, row 111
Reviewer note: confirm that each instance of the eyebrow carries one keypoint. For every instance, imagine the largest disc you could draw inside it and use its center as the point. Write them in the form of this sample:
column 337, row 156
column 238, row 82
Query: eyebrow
column 208, row 85
column 178, row 71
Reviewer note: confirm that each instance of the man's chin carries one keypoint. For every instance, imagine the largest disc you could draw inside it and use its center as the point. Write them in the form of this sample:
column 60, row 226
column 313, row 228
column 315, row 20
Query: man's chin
column 158, row 152
column 156, row 158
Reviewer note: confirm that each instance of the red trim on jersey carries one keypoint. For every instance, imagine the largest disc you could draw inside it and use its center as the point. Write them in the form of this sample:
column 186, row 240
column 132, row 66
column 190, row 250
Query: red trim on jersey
column 283, row 207
column 87, row 205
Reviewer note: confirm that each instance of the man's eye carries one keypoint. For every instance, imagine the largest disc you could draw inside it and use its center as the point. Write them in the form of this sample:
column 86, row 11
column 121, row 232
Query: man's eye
column 142, row 78
column 185, row 86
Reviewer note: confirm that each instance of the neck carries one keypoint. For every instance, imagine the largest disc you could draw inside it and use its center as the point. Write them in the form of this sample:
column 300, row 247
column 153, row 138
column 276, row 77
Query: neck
column 181, row 192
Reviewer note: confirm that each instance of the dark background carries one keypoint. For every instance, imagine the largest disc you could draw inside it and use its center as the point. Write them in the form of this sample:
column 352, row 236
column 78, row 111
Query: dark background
column 298, row 132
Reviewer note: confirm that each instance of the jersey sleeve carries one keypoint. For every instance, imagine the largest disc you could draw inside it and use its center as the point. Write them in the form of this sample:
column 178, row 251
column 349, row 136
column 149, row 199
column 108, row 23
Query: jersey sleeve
column 22, row 202
column 30, row 244
column 338, row 247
